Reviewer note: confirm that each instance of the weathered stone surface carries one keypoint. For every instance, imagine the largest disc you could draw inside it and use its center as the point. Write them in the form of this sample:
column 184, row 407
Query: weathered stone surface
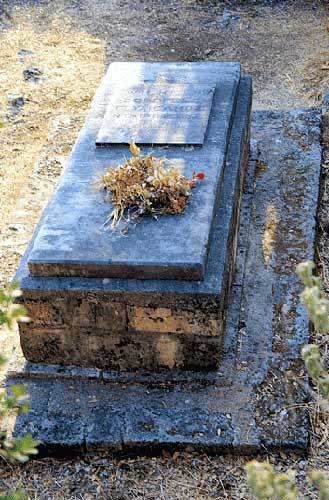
column 168, row 320
column 107, row 324
column 103, row 316
column 177, row 425
column 156, row 113
column 255, row 398
column 150, row 351
column 70, row 240
column 325, row 119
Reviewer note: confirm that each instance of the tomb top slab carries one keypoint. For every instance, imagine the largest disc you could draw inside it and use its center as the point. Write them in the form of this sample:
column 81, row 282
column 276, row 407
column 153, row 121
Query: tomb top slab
column 70, row 239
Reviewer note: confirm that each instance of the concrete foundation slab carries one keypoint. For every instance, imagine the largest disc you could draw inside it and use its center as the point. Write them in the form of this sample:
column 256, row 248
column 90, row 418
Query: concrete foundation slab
column 256, row 399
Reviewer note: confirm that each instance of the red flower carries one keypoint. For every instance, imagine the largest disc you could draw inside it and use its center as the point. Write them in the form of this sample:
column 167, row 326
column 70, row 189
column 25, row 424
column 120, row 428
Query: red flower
column 200, row 176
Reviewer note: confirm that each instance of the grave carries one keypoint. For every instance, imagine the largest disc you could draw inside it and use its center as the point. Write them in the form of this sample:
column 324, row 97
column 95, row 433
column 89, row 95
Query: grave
column 154, row 298
column 256, row 398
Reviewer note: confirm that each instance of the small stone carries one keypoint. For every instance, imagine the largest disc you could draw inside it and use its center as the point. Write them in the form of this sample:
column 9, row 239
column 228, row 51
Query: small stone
column 25, row 52
column 16, row 102
column 228, row 19
column 32, row 74
column 101, row 461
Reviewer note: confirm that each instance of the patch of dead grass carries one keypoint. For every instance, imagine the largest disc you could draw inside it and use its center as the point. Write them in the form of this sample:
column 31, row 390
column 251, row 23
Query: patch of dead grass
column 269, row 235
column 72, row 64
column 313, row 76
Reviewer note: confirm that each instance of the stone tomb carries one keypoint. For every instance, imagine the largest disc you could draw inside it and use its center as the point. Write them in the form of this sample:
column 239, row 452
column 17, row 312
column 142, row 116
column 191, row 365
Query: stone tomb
column 155, row 298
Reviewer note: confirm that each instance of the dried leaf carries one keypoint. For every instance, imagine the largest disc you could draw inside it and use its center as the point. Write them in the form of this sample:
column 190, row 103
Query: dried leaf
column 143, row 186
column 135, row 150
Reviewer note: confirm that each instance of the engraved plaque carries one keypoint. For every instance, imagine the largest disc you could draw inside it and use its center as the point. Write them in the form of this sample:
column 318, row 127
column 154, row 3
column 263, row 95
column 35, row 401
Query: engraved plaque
column 157, row 113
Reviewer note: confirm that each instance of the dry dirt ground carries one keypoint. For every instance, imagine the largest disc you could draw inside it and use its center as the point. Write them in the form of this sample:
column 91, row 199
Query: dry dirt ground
column 284, row 45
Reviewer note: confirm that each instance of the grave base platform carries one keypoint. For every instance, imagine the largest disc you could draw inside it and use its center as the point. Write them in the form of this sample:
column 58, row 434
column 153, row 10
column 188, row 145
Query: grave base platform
column 257, row 398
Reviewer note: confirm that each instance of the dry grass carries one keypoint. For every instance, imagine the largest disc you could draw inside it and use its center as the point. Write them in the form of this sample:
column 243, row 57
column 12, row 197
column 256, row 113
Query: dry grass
column 145, row 185
column 270, row 231
column 314, row 77
column 319, row 418
column 182, row 476
column 71, row 63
